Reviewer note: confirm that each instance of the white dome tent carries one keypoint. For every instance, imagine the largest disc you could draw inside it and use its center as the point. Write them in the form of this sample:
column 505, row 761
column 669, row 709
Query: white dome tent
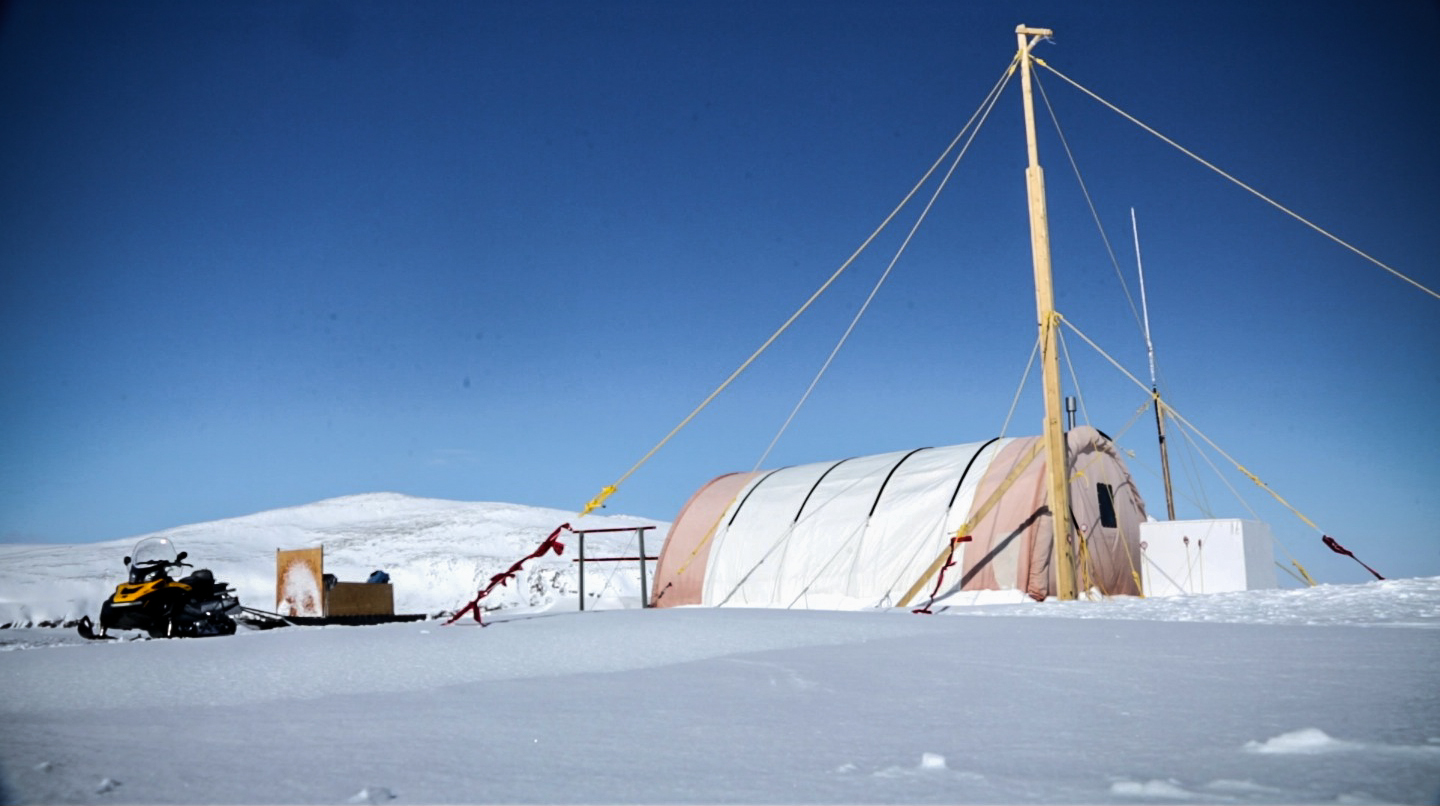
column 876, row 531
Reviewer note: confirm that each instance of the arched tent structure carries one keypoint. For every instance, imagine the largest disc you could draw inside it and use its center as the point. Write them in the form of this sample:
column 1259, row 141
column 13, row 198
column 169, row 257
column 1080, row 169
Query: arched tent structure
column 862, row 532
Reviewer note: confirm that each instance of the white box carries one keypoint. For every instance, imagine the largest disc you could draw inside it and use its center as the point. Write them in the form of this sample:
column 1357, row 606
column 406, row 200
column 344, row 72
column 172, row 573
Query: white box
column 1206, row 556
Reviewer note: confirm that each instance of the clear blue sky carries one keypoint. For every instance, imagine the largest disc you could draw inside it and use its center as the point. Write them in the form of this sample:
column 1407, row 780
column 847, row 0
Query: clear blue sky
column 259, row 254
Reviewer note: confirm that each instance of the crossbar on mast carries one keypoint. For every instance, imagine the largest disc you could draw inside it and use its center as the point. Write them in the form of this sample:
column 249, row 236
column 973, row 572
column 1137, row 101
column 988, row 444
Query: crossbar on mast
column 1063, row 556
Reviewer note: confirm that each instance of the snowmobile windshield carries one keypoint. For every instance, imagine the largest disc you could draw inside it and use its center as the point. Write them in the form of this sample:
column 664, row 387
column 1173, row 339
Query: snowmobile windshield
column 153, row 550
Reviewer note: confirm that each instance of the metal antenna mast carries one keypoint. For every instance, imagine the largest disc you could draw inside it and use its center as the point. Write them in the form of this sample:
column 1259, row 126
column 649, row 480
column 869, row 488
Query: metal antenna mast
column 1154, row 385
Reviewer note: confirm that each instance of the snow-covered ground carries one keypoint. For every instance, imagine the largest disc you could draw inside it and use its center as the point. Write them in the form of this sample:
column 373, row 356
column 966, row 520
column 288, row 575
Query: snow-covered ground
column 1325, row 695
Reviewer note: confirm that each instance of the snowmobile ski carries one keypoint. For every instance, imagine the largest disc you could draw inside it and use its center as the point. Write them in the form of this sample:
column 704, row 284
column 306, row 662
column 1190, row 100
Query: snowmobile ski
column 86, row 628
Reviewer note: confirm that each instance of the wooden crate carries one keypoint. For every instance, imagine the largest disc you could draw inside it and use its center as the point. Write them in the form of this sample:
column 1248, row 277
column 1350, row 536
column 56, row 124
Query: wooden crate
column 300, row 589
column 360, row 599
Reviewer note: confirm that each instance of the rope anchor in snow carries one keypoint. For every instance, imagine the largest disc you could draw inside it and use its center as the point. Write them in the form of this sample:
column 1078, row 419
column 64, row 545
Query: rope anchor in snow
column 939, row 581
column 1339, row 549
column 551, row 543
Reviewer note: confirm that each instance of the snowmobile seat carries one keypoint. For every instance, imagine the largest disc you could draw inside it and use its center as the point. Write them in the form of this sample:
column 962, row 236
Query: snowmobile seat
column 202, row 581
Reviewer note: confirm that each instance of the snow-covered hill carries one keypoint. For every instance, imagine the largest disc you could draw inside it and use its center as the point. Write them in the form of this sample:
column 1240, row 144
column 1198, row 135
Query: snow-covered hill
column 438, row 553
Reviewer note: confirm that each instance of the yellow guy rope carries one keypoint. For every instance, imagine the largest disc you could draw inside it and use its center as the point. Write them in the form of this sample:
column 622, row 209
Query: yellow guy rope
column 1254, row 478
column 909, row 236
column 1024, row 376
column 983, row 114
column 1135, row 572
column 1205, row 506
column 1134, row 418
column 1074, row 376
column 1277, row 205
column 605, row 492
column 1094, row 214
column 709, row 533
column 1169, row 410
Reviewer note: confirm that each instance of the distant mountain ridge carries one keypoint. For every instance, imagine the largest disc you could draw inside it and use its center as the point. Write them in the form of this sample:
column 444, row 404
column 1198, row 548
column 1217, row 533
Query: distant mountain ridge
column 437, row 552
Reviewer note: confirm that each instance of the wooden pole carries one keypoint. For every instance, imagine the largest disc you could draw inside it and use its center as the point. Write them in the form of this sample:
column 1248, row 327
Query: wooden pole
column 1063, row 557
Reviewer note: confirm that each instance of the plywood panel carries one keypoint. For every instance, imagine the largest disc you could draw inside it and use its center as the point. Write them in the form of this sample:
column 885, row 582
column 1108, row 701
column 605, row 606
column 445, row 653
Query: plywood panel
column 299, row 590
column 360, row 599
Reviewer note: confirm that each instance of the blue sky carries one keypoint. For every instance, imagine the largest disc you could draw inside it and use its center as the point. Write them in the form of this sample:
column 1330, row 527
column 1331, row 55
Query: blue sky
column 259, row 254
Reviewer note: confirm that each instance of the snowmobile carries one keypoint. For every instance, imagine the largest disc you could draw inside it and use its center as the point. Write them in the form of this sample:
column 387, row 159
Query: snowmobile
column 195, row 605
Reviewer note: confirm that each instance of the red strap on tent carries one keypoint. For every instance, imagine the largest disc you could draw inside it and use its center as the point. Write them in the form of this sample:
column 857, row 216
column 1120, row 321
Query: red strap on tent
column 940, row 578
column 1339, row 549
column 551, row 543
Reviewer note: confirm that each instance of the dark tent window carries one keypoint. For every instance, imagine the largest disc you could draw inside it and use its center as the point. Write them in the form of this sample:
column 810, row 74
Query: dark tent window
column 1107, row 505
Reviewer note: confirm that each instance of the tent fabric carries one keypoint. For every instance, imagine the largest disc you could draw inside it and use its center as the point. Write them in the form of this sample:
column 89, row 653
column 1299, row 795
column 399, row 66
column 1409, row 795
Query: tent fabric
column 1002, row 552
column 859, row 532
column 1112, row 551
column 680, row 571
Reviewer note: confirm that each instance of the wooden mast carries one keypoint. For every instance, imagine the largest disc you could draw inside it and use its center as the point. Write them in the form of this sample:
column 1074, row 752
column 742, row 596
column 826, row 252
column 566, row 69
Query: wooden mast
column 1063, row 557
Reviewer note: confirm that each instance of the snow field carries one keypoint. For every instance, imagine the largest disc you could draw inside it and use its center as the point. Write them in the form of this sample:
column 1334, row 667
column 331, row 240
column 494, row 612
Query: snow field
column 1322, row 695
column 734, row 706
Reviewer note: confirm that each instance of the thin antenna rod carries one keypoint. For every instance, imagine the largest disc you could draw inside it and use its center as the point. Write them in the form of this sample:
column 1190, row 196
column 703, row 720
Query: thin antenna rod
column 1144, row 308
column 1154, row 386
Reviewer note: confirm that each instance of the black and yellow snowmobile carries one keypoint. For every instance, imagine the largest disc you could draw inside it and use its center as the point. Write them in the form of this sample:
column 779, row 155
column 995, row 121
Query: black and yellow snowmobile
column 164, row 607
